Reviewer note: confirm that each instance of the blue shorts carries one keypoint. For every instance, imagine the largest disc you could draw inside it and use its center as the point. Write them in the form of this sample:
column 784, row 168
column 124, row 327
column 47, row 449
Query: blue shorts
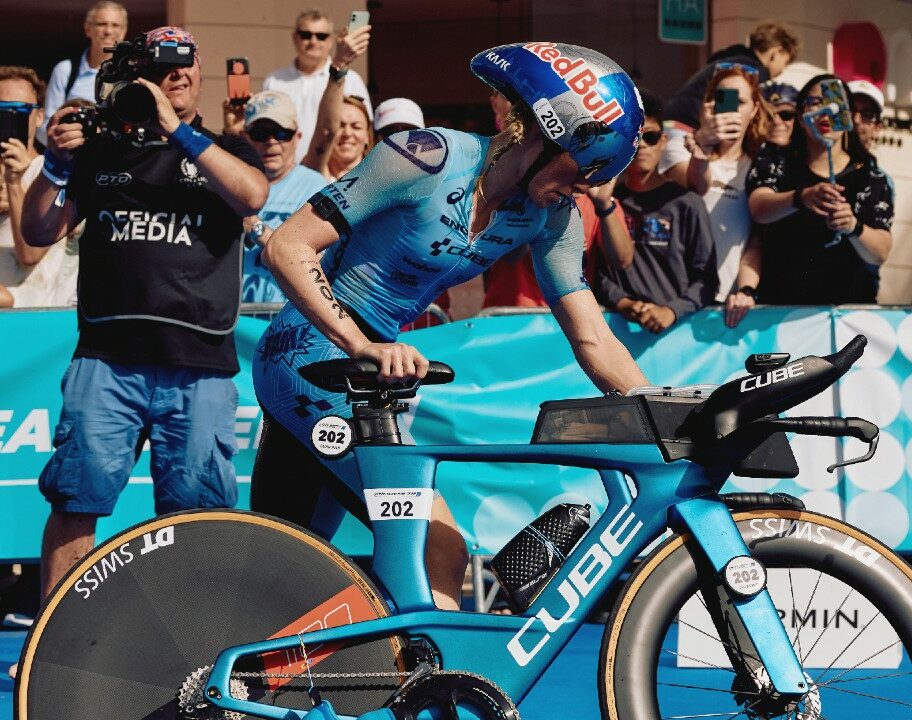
column 109, row 410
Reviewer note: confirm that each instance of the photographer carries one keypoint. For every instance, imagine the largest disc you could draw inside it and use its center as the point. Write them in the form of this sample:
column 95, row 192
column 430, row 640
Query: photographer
column 159, row 266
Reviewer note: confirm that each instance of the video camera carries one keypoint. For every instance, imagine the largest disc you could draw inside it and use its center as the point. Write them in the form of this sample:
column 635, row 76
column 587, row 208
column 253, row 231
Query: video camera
column 122, row 103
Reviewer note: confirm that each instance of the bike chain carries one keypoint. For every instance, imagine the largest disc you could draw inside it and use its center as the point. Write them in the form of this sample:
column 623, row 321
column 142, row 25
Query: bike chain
column 325, row 676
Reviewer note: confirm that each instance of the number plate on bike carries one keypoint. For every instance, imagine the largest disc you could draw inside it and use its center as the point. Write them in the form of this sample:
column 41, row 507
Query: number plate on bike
column 745, row 576
column 331, row 436
column 399, row 503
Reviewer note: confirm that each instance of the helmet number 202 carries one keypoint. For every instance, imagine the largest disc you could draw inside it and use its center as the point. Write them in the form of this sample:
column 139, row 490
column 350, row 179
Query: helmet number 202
column 548, row 118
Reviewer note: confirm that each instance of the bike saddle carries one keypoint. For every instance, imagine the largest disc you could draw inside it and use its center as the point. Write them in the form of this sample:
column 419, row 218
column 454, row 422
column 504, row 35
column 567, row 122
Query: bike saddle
column 347, row 375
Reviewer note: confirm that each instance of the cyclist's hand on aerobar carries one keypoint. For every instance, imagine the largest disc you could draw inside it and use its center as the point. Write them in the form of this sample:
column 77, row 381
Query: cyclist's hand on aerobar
column 823, row 198
column 397, row 361
column 64, row 138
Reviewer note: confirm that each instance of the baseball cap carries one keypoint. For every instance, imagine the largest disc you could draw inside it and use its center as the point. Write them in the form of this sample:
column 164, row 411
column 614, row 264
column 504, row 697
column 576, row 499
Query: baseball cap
column 779, row 93
column 863, row 87
column 271, row 105
column 398, row 110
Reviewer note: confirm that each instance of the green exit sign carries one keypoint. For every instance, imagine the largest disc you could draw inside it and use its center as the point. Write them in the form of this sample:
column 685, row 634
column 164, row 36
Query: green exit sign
column 682, row 21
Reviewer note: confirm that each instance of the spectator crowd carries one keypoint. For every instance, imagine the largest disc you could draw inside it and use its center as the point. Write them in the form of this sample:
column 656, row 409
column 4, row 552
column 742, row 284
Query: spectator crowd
column 742, row 191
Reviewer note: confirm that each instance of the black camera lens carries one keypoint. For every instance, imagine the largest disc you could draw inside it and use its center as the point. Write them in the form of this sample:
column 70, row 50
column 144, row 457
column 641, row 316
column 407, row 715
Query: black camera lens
column 132, row 103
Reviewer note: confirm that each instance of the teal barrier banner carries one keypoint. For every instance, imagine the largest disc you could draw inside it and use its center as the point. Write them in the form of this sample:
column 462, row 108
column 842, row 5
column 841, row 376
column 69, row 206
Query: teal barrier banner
column 505, row 367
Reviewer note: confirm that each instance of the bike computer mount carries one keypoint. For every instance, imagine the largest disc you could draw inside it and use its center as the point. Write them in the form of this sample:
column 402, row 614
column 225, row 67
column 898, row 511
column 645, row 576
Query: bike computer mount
column 762, row 362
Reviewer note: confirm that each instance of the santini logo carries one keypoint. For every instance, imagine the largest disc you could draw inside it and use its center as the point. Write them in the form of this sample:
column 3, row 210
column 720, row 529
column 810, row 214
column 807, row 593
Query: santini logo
column 773, row 376
column 581, row 581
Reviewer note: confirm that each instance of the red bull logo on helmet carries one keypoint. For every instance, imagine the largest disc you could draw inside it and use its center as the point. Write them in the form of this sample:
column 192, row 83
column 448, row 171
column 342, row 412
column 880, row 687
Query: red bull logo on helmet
column 580, row 78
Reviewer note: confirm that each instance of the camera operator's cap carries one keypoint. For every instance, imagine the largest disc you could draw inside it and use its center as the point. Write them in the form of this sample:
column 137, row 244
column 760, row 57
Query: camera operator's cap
column 174, row 34
column 779, row 93
column 863, row 87
column 271, row 105
column 398, row 111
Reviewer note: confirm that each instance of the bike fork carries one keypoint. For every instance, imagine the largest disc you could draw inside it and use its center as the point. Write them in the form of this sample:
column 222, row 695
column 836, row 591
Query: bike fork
column 710, row 522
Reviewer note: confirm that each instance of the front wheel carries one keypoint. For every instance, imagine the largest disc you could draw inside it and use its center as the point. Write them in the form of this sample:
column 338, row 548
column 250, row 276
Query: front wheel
column 130, row 632
column 846, row 602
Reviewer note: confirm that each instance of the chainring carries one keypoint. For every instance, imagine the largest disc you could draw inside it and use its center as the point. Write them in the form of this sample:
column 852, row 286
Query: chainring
column 447, row 692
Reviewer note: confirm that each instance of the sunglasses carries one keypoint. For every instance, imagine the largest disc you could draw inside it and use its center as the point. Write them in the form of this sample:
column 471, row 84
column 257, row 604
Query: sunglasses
column 308, row 35
column 18, row 106
column 750, row 70
column 786, row 115
column 262, row 134
column 651, row 137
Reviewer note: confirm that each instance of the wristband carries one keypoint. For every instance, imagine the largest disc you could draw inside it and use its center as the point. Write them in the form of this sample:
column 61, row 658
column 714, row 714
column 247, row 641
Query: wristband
column 189, row 141
column 56, row 169
column 607, row 211
column 796, row 198
column 336, row 73
column 858, row 229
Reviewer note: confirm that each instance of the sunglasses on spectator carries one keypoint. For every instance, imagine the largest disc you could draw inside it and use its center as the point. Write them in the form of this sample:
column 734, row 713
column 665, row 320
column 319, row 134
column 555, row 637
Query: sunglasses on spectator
column 651, row 137
column 262, row 134
column 750, row 70
column 308, row 35
column 786, row 115
column 18, row 106
column 869, row 116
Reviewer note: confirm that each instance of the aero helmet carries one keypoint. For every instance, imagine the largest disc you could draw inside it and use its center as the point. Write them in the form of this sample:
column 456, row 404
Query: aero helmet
column 583, row 101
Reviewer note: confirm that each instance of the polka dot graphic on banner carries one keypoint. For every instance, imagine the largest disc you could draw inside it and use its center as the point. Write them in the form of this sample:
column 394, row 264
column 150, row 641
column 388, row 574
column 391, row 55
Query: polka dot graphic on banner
column 906, row 399
column 904, row 337
column 871, row 394
column 825, row 502
column 814, row 454
column 880, row 514
column 876, row 328
column 801, row 333
column 499, row 517
column 882, row 471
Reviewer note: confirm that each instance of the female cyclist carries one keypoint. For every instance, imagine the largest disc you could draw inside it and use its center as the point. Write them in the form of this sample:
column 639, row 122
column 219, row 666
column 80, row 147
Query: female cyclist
column 426, row 210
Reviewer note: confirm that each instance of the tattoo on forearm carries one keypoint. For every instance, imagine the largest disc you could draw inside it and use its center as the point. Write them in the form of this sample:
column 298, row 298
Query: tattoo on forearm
column 326, row 292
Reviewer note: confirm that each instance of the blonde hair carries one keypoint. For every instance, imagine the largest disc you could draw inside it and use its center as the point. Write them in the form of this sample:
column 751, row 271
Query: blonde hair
column 313, row 14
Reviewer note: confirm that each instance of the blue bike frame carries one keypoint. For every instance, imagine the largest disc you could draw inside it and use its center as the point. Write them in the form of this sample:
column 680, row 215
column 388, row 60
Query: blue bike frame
column 645, row 495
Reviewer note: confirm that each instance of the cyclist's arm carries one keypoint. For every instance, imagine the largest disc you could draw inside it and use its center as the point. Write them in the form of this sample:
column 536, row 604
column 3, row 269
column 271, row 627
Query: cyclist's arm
column 557, row 258
column 386, row 178
column 600, row 354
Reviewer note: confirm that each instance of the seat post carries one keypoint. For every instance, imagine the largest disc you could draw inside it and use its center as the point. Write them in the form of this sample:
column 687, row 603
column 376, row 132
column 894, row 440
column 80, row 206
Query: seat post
column 374, row 424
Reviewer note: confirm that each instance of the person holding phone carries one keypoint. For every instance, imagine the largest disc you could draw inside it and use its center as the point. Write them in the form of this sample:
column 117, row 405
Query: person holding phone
column 21, row 102
column 824, row 241
column 733, row 126
column 306, row 78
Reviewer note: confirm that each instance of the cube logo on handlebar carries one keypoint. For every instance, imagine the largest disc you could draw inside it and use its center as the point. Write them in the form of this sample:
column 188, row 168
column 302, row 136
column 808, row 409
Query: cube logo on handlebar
column 773, row 376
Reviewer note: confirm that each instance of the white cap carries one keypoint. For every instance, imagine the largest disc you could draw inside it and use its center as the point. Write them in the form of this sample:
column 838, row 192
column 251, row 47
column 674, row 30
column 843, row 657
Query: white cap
column 271, row 105
column 863, row 87
column 398, row 110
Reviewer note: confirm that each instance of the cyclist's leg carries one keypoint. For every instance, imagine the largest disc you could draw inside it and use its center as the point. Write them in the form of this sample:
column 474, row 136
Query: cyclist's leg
column 290, row 342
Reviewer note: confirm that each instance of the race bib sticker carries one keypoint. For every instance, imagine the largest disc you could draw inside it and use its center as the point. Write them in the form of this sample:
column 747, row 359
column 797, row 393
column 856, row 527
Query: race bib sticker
column 331, row 436
column 745, row 576
column 399, row 503
column 548, row 118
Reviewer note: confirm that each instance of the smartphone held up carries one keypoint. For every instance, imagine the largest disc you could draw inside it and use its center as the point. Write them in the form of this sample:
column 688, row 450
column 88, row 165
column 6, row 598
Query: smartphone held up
column 358, row 19
column 238, row 80
column 14, row 121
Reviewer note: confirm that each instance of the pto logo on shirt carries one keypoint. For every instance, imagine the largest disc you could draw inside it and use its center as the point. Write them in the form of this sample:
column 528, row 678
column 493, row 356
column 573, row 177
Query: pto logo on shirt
column 423, row 148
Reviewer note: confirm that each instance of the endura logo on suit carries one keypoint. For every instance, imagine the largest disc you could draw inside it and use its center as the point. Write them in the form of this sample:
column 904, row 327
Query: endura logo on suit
column 171, row 227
